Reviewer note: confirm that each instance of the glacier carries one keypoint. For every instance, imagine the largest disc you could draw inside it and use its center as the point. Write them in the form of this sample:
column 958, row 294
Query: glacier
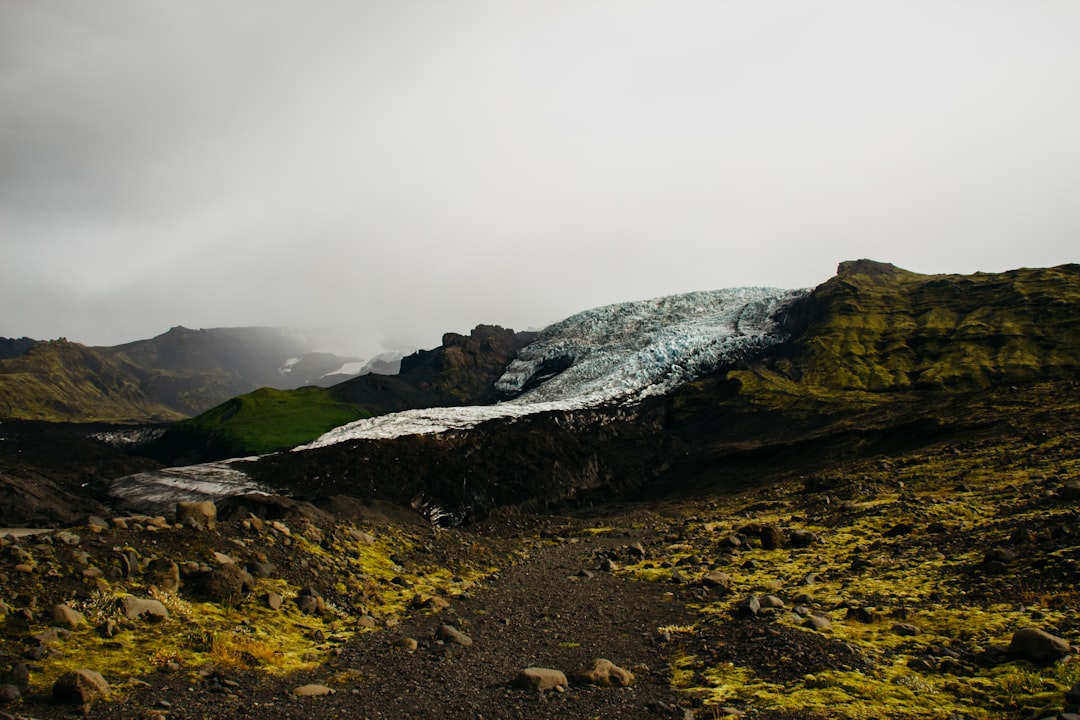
column 616, row 354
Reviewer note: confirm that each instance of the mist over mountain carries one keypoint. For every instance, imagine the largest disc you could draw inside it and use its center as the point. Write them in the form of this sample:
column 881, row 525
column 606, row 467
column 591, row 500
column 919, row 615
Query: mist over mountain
column 177, row 374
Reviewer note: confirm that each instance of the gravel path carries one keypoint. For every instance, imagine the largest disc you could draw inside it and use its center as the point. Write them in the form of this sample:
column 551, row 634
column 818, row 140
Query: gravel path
column 542, row 611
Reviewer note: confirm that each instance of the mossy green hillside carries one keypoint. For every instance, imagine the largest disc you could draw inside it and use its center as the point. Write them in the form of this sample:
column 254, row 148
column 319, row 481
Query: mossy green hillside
column 907, row 537
column 266, row 421
column 61, row 381
column 874, row 327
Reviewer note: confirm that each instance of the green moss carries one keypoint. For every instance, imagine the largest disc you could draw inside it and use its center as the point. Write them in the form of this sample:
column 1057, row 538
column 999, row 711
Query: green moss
column 269, row 420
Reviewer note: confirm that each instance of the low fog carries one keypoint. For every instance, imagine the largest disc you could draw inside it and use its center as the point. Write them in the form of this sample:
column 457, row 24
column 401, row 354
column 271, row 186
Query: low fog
column 386, row 172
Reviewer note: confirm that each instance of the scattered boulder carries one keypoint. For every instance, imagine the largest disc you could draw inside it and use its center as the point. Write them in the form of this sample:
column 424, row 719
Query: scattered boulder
column 9, row 693
column 68, row 538
column 818, row 622
column 65, row 616
column 1000, row 555
column 203, row 513
column 902, row 628
column 770, row 602
column 310, row 602
column 80, row 687
column 540, row 679
column 772, row 538
column 312, row 690
column 862, row 614
column 802, row 538
column 165, row 575
column 606, row 673
column 716, row 579
column 1038, row 646
column 134, row 608
column 450, row 634
column 1069, row 490
column 226, row 584
column 407, row 644
column 1073, row 695
column 274, row 600
column 749, row 607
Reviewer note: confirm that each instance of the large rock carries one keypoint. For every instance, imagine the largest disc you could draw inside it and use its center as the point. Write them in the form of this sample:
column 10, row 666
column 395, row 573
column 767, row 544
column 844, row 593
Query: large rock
column 203, row 513
column 535, row 678
column 164, row 574
column 65, row 616
column 226, row 584
column 606, row 673
column 1038, row 646
column 134, row 608
column 80, row 687
column 772, row 538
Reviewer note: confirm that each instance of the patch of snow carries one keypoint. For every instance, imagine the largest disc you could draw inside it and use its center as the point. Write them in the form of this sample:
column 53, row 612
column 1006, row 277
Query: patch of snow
column 288, row 366
column 349, row 368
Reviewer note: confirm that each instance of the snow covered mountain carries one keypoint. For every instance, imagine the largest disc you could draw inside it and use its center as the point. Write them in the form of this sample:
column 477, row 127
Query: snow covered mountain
column 619, row 353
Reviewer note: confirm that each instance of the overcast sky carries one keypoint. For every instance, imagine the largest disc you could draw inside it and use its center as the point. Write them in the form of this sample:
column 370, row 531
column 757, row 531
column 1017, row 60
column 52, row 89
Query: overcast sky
column 402, row 168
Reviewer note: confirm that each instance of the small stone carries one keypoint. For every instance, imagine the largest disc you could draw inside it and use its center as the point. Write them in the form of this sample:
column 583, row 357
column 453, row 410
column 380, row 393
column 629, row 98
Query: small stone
column 312, row 690
column 165, row 575
column 310, row 604
column 540, row 679
column 770, row 601
column 606, row 673
column 274, row 600
column 802, row 538
column 407, row 644
column 905, row 629
column 1072, row 696
column 24, row 568
column 861, row 614
column 772, row 538
column 716, row 579
column 9, row 693
column 65, row 616
column 749, row 607
column 449, row 633
column 68, row 538
column 818, row 622
column 203, row 512
column 135, row 608
column 80, row 687
column 92, row 573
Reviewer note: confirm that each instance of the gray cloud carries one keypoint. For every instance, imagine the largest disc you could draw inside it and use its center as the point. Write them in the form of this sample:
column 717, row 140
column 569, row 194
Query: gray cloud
column 397, row 170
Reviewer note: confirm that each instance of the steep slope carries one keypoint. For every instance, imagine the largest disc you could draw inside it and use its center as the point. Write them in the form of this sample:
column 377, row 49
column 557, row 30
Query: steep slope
column 881, row 355
column 174, row 375
column 62, row 381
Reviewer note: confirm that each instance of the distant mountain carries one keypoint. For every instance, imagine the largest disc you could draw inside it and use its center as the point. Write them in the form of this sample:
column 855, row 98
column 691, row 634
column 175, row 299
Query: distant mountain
column 174, row 375
column 461, row 371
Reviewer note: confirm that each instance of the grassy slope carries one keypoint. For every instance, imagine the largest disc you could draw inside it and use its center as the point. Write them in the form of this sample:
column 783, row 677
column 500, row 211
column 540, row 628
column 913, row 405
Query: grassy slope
column 60, row 381
column 877, row 329
column 945, row 402
column 269, row 420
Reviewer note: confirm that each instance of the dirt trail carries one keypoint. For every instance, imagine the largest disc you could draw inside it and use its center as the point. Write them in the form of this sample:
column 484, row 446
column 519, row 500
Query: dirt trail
column 542, row 611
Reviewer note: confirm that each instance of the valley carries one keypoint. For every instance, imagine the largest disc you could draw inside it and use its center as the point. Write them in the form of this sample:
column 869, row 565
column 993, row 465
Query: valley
column 868, row 509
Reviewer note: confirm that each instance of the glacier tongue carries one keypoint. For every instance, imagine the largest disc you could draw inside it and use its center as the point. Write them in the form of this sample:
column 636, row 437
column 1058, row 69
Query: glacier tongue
column 616, row 354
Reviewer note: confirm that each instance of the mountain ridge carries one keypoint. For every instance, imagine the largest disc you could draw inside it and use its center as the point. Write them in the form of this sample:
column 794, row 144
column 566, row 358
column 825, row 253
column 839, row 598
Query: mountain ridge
column 176, row 374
